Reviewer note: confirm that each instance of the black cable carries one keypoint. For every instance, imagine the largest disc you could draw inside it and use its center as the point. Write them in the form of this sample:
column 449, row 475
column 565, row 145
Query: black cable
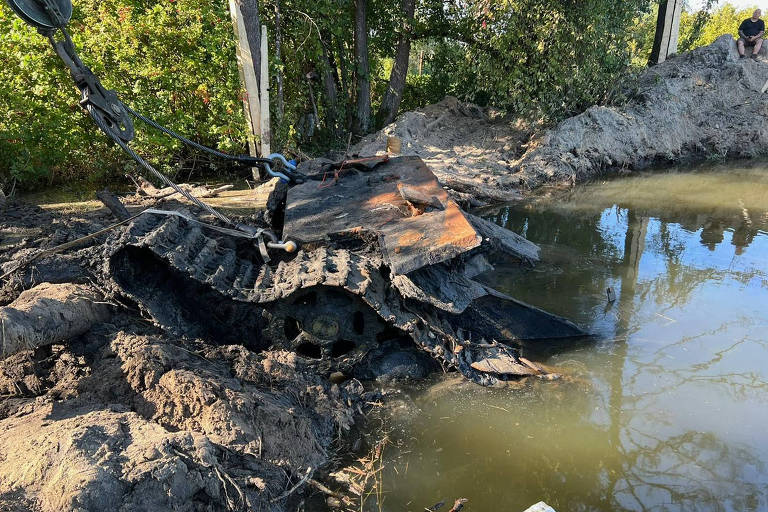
column 295, row 176
column 102, row 125
column 226, row 156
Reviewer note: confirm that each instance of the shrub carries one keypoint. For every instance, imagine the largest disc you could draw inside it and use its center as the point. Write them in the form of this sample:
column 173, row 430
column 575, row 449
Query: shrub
column 174, row 61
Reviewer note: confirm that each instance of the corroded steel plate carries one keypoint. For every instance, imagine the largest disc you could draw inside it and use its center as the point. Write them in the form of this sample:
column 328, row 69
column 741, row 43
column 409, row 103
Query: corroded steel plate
column 399, row 201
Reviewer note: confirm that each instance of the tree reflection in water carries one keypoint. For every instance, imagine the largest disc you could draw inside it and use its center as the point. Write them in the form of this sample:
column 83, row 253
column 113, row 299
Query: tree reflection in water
column 687, row 470
column 667, row 410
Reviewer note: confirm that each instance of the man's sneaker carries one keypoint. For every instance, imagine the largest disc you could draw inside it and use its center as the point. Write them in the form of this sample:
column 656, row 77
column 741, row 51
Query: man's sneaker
column 754, row 56
column 741, row 56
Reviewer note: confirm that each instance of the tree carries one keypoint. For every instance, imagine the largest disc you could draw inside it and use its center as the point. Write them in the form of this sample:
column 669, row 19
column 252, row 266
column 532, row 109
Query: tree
column 538, row 59
column 362, row 118
column 397, row 78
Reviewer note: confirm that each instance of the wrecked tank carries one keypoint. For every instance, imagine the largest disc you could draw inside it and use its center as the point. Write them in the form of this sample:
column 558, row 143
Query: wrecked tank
column 384, row 254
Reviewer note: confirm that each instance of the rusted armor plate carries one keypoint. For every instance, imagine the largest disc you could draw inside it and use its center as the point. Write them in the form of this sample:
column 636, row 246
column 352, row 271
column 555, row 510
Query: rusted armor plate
column 417, row 224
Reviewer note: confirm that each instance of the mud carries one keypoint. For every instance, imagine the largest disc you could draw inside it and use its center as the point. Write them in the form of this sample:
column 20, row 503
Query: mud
column 129, row 420
column 165, row 366
column 126, row 416
column 163, row 386
column 469, row 149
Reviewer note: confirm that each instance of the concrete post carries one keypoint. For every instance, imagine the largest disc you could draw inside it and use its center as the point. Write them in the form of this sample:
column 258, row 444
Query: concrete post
column 265, row 136
column 247, row 28
column 667, row 30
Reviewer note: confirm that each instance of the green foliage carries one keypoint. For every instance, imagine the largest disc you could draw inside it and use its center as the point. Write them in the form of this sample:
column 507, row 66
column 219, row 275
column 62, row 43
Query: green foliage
column 642, row 31
column 697, row 28
column 422, row 90
column 537, row 58
column 724, row 20
column 173, row 60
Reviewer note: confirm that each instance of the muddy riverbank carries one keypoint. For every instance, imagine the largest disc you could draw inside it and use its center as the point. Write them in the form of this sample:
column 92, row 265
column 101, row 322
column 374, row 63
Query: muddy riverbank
column 129, row 418
column 168, row 386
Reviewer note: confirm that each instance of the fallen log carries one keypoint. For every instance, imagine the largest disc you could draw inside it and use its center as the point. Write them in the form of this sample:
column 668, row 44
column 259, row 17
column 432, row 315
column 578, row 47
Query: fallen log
column 146, row 188
column 49, row 314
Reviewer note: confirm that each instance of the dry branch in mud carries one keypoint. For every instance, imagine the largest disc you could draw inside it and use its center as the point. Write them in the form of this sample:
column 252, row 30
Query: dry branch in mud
column 145, row 188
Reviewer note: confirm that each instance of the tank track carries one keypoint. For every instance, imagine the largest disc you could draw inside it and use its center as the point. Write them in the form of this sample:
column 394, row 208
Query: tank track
column 188, row 281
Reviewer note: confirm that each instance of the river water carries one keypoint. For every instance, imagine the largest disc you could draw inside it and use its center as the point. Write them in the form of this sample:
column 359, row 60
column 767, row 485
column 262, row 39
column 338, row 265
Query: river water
column 667, row 409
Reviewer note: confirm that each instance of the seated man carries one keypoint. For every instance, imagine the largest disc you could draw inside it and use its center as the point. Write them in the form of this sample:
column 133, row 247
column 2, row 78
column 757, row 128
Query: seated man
column 751, row 34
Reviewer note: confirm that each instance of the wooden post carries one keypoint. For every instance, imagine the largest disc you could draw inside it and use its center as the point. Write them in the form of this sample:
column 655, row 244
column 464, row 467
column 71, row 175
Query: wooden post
column 246, row 22
column 266, row 134
column 667, row 30
column 421, row 62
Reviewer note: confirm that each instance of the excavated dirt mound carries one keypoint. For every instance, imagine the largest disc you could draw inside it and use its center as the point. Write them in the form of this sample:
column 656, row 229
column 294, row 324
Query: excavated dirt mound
column 133, row 421
column 469, row 152
column 702, row 104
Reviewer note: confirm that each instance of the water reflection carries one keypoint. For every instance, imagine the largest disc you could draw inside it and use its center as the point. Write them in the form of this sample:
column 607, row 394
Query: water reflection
column 668, row 410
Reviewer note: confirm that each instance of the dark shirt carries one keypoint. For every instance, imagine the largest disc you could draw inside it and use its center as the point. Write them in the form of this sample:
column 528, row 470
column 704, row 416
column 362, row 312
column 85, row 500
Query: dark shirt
column 751, row 28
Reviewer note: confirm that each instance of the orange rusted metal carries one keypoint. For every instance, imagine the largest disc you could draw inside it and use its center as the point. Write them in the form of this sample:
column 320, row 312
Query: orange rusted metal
column 400, row 201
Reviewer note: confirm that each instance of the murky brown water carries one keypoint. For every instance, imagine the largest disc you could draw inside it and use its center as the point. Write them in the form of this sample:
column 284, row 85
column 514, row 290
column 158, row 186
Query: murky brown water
column 668, row 409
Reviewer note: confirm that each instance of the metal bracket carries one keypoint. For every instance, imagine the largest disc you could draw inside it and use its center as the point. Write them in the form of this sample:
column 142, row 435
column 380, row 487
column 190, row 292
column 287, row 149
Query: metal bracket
column 44, row 15
column 101, row 103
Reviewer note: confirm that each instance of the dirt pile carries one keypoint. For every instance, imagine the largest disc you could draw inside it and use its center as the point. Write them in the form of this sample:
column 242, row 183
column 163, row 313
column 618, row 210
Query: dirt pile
column 706, row 103
column 469, row 151
column 701, row 104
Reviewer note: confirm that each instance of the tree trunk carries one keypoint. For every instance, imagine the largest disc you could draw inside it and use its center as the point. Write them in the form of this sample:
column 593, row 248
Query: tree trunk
column 331, row 86
column 394, row 94
column 343, row 67
column 279, row 59
column 362, row 120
